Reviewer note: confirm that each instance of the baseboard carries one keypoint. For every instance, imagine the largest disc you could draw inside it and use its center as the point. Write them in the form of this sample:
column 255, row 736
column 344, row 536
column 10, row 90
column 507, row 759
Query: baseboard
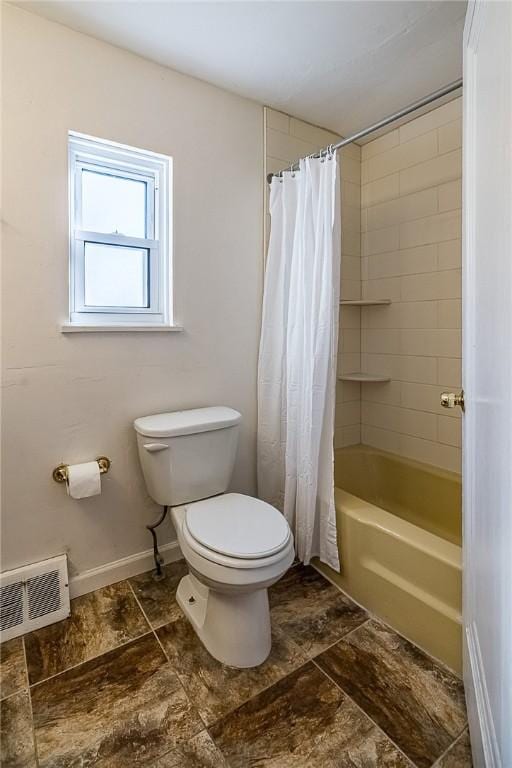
column 483, row 734
column 110, row 573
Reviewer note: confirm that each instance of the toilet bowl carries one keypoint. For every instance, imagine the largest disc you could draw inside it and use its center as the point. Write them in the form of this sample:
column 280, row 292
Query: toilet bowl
column 224, row 596
column 235, row 546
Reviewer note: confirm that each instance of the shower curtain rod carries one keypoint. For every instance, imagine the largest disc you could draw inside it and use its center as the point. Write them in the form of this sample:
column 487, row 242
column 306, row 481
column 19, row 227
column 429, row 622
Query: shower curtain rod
column 381, row 124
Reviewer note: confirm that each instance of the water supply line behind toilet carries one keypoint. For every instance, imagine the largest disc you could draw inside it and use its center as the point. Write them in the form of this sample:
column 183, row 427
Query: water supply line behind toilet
column 159, row 561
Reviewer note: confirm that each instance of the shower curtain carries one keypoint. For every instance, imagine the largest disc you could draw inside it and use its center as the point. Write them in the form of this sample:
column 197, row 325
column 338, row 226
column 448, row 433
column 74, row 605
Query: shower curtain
column 298, row 351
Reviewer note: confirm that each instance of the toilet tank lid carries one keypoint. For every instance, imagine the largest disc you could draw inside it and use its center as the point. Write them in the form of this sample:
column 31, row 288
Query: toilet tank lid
column 188, row 422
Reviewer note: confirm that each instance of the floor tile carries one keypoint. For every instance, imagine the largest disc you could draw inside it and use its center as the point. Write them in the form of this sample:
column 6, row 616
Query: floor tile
column 99, row 622
column 12, row 667
column 16, row 738
column 418, row 703
column 122, row 709
column 199, row 752
column 458, row 756
column 304, row 721
column 158, row 598
column 214, row 688
column 311, row 611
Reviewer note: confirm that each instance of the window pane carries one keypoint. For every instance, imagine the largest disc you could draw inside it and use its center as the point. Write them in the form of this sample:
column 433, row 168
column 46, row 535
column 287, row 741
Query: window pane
column 115, row 276
column 113, row 204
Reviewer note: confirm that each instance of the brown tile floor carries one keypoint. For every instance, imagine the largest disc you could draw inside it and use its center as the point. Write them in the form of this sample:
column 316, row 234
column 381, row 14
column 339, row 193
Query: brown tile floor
column 125, row 682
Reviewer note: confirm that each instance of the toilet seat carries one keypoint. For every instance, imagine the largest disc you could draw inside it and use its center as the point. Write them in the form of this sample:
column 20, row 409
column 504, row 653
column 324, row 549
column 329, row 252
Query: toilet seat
column 236, row 530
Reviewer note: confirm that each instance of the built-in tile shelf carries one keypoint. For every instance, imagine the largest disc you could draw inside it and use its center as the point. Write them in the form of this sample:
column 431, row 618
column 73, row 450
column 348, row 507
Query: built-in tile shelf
column 367, row 378
column 363, row 302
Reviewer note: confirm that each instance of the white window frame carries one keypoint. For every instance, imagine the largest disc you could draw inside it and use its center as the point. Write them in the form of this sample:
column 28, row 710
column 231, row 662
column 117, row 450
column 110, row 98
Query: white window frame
column 90, row 153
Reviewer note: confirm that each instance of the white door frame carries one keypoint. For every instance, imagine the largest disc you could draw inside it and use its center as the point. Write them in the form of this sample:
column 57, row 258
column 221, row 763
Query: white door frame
column 487, row 380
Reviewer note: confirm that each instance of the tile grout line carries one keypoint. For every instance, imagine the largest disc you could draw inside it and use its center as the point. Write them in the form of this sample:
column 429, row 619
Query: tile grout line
column 93, row 658
column 307, row 660
column 370, row 618
column 206, row 727
column 14, row 693
column 155, row 635
column 414, row 437
column 454, row 742
column 373, row 617
column 414, row 165
column 229, row 713
column 151, row 627
column 139, row 605
column 338, row 686
column 342, row 637
column 153, row 630
column 228, row 763
column 29, row 694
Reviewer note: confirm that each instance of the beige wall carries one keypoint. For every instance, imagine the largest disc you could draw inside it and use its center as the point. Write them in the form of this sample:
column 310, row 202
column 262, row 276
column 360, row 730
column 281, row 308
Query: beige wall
column 411, row 253
column 288, row 139
column 72, row 397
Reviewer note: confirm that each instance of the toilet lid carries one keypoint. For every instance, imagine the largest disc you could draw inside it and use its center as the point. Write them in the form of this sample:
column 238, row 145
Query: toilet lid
column 237, row 526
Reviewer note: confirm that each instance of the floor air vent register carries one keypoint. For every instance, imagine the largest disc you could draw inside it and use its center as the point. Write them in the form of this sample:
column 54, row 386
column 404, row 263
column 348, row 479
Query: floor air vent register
column 33, row 596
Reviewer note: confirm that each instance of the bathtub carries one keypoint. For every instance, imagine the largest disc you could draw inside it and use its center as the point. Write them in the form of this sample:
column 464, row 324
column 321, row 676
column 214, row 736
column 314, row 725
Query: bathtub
column 399, row 532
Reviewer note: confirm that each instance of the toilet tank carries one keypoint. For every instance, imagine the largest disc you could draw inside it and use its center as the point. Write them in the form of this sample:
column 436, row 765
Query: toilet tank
column 187, row 455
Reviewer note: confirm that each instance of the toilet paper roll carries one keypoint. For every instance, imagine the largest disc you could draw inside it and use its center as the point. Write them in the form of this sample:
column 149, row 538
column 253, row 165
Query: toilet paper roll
column 84, row 480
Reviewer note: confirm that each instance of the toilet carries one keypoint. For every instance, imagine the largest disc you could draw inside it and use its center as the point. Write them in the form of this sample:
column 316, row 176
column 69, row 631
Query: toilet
column 235, row 546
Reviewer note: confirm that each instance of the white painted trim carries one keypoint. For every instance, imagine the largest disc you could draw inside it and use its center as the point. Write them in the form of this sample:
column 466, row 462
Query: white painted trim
column 487, row 732
column 486, row 633
column 110, row 573
column 73, row 328
column 473, row 686
column 156, row 171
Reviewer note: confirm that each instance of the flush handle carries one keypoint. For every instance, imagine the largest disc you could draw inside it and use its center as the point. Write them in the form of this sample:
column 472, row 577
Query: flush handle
column 451, row 400
column 155, row 447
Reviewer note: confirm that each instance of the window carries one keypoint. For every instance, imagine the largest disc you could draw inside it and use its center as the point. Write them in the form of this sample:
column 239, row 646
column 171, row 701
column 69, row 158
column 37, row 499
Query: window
column 120, row 270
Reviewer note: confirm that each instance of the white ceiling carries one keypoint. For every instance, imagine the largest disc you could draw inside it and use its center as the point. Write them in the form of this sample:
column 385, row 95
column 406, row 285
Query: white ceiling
column 342, row 65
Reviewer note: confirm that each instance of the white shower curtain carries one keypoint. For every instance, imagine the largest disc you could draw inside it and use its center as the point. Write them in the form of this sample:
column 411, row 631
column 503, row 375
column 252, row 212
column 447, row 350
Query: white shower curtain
column 298, row 350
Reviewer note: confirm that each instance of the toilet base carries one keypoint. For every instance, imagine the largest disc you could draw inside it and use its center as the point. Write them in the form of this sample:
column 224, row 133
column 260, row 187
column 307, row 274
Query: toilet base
column 234, row 627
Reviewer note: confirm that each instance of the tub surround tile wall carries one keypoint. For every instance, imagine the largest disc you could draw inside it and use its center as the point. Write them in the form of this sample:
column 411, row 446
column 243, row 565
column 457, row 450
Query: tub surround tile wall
column 148, row 701
column 288, row 139
column 411, row 253
column 405, row 201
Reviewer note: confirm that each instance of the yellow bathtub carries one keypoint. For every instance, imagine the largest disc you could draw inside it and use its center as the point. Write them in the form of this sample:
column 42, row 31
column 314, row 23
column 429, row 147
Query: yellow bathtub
column 399, row 532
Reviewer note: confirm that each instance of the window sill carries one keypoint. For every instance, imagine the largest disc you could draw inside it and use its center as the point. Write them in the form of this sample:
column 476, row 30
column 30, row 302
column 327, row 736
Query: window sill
column 125, row 328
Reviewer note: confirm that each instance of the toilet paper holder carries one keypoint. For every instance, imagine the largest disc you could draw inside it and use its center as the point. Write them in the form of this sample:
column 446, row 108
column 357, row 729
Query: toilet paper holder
column 60, row 473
